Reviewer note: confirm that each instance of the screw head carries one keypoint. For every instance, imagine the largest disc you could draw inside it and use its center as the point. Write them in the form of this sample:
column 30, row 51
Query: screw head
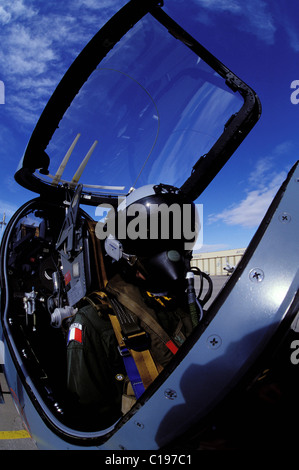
column 139, row 425
column 284, row 218
column 214, row 341
column 170, row 394
column 256, row 275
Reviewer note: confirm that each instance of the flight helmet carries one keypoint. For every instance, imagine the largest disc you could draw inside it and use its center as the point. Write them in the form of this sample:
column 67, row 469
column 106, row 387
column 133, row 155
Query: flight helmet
column 154, row 230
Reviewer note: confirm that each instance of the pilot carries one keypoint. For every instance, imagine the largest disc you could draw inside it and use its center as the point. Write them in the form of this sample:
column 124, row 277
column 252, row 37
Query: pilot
column 127, row 333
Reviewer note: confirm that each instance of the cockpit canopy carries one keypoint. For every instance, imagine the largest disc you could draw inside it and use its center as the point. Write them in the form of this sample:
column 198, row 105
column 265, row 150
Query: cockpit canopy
column 140, row 105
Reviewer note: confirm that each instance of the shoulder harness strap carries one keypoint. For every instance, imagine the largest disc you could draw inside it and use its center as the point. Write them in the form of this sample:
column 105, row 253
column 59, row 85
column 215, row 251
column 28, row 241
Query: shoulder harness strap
column 139, row 364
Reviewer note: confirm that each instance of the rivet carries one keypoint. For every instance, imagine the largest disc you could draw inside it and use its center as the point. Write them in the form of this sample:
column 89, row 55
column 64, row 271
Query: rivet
column 119, row 377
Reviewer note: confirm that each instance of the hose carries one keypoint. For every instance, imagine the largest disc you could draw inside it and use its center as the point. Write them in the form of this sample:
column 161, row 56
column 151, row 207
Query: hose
column 192, row 300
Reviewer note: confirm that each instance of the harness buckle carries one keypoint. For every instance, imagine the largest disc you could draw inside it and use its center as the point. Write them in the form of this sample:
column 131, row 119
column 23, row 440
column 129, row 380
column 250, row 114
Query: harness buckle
column 123, row 351
column 138, row 342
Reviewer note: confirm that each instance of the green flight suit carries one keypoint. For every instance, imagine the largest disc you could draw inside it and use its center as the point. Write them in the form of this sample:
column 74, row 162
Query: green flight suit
column 95, row 370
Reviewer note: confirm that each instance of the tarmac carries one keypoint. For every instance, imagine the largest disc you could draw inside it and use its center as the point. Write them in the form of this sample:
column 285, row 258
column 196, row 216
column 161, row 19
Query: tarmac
column 13, row 436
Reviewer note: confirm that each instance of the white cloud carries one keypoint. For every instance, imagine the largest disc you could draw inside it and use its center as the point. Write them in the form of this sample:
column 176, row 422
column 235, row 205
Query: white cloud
column 254, row 15
column 96, row 5
column 250, row 211
column 8, row 208
column 294, row 38
column 258, row 17
column 39, row 41
column 4, row 15
column 12, row 10
column 222, row 5
column 263, row 184
column 27, row 54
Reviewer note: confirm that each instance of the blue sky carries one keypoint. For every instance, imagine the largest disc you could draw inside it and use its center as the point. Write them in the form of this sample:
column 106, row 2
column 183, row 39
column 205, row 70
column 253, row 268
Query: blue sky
column 257, row 39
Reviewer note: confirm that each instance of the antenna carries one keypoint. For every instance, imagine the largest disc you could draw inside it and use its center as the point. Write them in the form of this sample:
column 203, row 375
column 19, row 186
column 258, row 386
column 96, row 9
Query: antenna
column 82, row 166
column 2, row 222
column 62, row 166
column 58, row 175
